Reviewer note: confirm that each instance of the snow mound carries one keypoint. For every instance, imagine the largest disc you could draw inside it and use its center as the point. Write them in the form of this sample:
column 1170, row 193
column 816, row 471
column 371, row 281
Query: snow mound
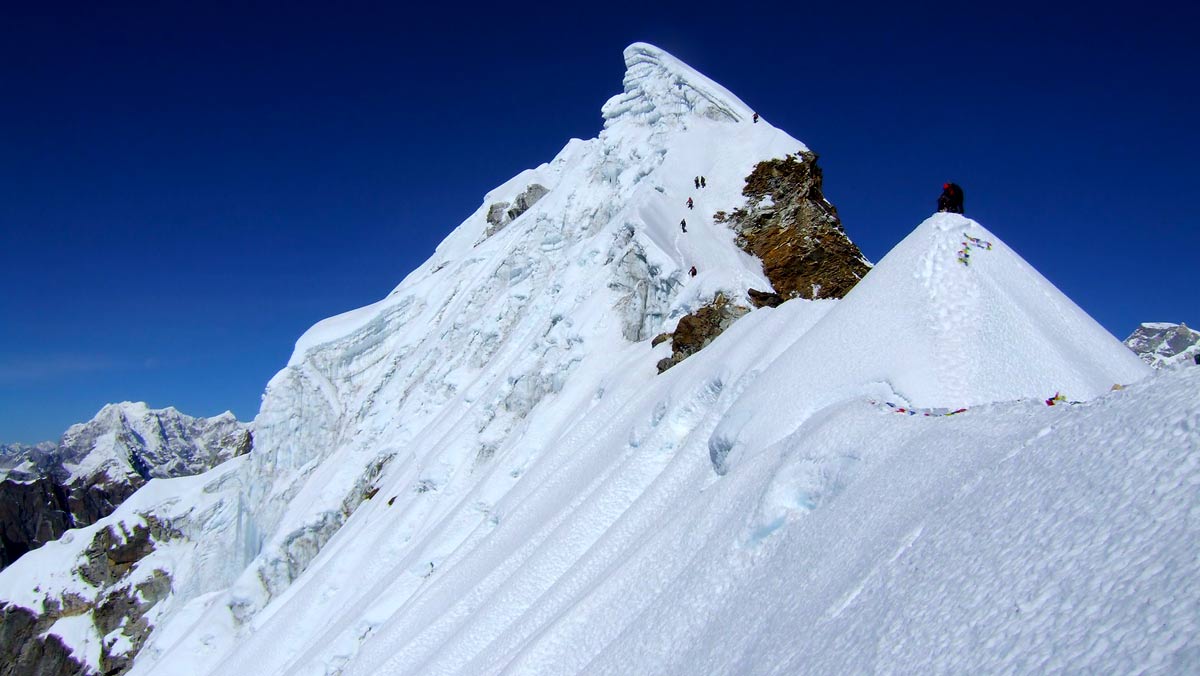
column 951, row 317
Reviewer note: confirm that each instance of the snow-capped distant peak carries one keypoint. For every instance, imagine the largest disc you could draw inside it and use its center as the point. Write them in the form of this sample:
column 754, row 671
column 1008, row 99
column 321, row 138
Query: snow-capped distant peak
column 659, row 86
column 1165, row 345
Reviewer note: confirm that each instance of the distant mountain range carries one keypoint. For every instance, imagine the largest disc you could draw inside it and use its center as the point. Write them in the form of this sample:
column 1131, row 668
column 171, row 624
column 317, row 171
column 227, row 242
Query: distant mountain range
column 648, row 410
column 50, row 487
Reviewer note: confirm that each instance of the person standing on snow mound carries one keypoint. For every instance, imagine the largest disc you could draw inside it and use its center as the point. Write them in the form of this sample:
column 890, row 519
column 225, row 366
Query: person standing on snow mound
column 951, row 199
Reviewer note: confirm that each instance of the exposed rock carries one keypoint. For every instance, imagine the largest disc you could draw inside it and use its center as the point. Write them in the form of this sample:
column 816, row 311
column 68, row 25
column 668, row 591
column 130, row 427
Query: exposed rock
column 50, row 488
column 26, row 653
column 125, row 610
column 1165, row 345
column 789, row 225
column 764, row 298
column 118, row 612
column 696, row 330
column 110, row 556
column 33, row 513
column 525, row 200
column 501, row 214
column 497, row 217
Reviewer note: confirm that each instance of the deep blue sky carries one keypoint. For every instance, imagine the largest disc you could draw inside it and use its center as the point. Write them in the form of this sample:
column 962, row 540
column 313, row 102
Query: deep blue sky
column 184, row 189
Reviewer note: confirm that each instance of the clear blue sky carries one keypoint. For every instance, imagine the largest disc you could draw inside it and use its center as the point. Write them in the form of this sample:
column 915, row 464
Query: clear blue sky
column 186, row 187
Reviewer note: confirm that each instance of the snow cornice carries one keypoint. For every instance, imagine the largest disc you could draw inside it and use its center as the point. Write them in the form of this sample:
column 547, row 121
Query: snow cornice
column 660, row 88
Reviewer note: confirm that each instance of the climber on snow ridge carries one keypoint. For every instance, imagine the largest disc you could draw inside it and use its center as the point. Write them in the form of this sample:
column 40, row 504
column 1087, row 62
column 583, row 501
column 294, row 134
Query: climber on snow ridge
column 951, row 199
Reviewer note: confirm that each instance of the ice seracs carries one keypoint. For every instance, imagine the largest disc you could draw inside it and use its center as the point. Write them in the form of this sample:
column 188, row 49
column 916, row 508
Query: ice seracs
column 483, row 473
column 658, row 86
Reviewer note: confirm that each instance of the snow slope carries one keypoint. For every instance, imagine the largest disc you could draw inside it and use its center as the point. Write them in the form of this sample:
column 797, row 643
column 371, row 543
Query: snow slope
column 925, row 329
column 483, row 473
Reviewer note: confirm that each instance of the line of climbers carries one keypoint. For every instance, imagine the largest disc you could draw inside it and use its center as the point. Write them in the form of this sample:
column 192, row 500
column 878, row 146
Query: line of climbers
column 951, row 201
column 699, row 182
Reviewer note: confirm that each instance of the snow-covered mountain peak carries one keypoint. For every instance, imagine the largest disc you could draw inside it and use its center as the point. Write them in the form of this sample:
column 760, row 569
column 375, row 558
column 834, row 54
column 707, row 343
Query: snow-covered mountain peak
column 661, row 89
column 1165, row 345
column 951, row 317
column 484, row 473
column 980, row 324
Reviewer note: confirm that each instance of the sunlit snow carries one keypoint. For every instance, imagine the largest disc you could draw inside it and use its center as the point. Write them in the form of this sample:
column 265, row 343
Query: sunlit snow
column 483, row 472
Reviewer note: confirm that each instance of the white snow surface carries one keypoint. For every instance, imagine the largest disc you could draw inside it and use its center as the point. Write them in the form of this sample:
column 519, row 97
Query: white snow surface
column 483, row 473
column 927, row 330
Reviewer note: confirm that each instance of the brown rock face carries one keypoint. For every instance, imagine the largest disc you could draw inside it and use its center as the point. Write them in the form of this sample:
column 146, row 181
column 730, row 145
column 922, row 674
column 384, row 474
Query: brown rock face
column 118, row 612
column 26, row 653
column 789, row 225
column 698, row 329
column 33, row 513
column 764, row 298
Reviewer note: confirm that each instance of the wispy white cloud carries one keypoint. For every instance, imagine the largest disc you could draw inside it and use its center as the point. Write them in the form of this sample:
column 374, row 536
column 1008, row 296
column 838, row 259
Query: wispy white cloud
column 16, row 370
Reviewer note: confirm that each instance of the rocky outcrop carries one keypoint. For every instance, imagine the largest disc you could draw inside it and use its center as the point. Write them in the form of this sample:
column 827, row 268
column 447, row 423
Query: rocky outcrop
column 33, row 513
column 50, row 488
column 1165, row 345
column 764, row 298
column 501, row 214
column 118, row 613
column 26, row 652
column 697, row 329
column 789, row 225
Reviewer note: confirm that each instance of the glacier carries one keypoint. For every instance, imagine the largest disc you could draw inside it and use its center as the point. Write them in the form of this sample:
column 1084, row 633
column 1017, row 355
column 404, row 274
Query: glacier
column 484, row 473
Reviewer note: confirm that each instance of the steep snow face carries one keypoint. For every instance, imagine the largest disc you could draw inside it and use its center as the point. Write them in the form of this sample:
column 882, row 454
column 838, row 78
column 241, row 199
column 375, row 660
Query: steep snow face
column 443, row 375
column 482, row 473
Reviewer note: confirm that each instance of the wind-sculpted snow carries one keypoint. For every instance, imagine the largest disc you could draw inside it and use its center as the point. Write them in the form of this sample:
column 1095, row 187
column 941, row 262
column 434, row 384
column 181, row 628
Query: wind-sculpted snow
column 658, row 85
column 1014, row 538
column 446, row 381
column 924, row 328
column 484, row 473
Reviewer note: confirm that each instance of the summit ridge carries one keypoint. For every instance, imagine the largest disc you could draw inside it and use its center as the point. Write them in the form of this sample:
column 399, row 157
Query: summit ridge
column 484, row 472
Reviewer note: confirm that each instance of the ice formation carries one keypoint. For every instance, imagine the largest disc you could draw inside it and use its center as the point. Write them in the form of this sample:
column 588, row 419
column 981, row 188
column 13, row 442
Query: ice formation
column 484, row 473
